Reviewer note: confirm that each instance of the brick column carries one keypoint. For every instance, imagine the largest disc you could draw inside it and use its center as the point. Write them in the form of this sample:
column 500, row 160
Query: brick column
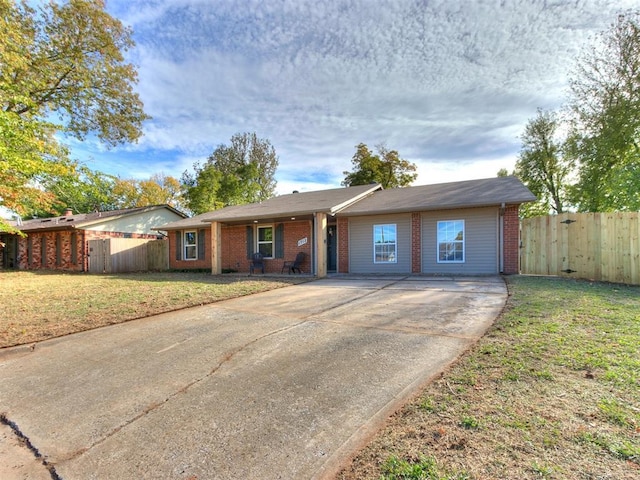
column 416, row 243
column 343, row 244
column 511, row 240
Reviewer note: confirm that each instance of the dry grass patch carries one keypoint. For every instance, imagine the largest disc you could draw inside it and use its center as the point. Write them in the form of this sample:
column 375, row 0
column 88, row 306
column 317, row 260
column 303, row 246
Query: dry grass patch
column 41, row 305
column 551, row 392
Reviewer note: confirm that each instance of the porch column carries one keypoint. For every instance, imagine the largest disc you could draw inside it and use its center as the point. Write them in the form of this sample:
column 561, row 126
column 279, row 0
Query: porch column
column 216, row 248
column 321, row 244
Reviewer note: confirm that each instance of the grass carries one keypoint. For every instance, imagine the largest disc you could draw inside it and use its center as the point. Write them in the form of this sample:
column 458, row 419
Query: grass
column 550, row 392
column 41, row 305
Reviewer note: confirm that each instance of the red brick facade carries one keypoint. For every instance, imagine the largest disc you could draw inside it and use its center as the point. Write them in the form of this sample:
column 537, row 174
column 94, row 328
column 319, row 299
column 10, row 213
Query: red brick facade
column 511, row 245
column 62, row 250
column 234, row 249
column 176, row 261
column 343, row 244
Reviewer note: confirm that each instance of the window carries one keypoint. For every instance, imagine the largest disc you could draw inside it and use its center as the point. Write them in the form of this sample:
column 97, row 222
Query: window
column 265, row 241
column 190, row 245
column 451, row 241
column 384, row 244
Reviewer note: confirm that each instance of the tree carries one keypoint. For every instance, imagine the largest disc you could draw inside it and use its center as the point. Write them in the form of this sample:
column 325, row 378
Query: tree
column 83, row 190
column 385, row 168
column 541, row 165
column 66, row 59
column 243, row 172
column 605, row 138
column 160, row 189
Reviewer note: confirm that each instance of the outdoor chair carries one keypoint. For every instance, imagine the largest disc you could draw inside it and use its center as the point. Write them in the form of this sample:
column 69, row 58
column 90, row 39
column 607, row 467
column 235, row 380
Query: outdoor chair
column 257, row 262
column 295, row 264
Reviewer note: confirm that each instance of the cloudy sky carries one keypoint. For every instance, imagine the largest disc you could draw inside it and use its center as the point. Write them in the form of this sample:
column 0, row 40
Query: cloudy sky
column 448, row 84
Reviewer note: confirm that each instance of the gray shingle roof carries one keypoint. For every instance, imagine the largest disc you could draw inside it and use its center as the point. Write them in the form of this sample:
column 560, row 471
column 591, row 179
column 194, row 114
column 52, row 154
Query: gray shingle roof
column 369, row 200
column 294, row 204
column 79, row 220
column 471, row 193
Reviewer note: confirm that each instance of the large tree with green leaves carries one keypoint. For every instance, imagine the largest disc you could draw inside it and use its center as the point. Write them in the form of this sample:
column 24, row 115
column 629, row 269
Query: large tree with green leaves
column 62, row 70
column 239, row 173
column 86, row 191
column 605, row 138
column 384, row 167
column 542, row 166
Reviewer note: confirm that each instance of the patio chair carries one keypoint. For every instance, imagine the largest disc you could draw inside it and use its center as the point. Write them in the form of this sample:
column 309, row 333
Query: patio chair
column 257, row 262
column 295, row 264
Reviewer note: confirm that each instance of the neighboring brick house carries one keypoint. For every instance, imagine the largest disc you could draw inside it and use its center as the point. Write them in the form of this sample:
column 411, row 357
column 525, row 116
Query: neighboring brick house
column 468, row 227
column 61, row 243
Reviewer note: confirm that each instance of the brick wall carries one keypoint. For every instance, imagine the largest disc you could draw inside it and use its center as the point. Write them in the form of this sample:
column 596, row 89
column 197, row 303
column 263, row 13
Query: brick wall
column 63, row 250
column 343, row 244
column 416, row 242
column 234, row 249
column 56, row 254
column 197, row 264
column 294, row 231
column 511, row 232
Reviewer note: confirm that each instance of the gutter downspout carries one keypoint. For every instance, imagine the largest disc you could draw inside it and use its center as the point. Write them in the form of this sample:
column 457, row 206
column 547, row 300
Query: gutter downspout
column 501, row 238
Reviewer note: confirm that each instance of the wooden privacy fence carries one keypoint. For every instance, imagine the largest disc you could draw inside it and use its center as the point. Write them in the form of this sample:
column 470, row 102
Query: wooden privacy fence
column 596, row 246
column 119, row 255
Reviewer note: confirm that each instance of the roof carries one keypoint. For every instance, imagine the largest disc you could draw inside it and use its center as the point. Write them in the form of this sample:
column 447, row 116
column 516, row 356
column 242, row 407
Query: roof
column 197, row 221
column 442, row 196
column 369, row 200
column 291, row 205
column 80, row 220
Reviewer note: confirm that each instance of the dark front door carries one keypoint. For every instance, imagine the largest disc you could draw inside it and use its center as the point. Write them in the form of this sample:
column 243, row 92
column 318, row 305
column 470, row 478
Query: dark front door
column 9, row 252
column 332, row 247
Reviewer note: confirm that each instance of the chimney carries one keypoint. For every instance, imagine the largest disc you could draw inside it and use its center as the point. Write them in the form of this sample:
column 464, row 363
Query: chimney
column 68, row 212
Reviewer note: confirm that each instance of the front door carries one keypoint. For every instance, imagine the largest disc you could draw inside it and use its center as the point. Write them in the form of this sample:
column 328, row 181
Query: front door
column 9, row 252
column 332, row 248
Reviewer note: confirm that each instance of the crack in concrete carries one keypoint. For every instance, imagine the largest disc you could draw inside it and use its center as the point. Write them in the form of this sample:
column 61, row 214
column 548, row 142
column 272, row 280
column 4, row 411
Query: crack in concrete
column 154, row 406
column 30, row 446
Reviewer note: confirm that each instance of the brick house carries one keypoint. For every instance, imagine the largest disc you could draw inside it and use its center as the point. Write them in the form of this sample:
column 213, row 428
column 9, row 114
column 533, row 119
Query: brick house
column 61, row 243
column 468, row 227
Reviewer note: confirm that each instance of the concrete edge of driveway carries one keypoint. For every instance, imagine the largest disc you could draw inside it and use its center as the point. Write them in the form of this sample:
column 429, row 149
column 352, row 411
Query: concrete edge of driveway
column 363, row 436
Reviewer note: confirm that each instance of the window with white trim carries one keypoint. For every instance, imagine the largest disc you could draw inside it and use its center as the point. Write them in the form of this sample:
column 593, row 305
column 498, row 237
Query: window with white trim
column 265, row 241
column 190, row 245
column 385, row 244
column 451, row 241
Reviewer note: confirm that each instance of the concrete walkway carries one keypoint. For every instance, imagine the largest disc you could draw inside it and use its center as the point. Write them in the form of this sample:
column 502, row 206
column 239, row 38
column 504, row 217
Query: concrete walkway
column 285, row 384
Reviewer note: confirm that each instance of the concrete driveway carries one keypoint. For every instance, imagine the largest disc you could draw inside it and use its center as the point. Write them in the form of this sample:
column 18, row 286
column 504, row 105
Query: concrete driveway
column 285, row 384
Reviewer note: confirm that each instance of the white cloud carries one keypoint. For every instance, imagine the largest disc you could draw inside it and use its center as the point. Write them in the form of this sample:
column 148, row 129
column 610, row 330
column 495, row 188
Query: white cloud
column 449, row 84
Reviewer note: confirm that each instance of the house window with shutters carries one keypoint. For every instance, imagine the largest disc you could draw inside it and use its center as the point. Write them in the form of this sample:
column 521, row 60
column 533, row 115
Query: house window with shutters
column 265, row 241
column 190, row 245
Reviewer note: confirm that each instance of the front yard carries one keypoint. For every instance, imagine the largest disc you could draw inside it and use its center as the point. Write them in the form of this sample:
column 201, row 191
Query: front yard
column 41, row 305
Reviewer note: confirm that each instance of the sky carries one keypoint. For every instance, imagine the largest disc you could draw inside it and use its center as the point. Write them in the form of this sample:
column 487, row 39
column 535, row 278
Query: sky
column 448, row 84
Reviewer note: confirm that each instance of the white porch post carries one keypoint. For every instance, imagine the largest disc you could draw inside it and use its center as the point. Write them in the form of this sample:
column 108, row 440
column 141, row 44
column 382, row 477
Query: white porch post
column 216, row 248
